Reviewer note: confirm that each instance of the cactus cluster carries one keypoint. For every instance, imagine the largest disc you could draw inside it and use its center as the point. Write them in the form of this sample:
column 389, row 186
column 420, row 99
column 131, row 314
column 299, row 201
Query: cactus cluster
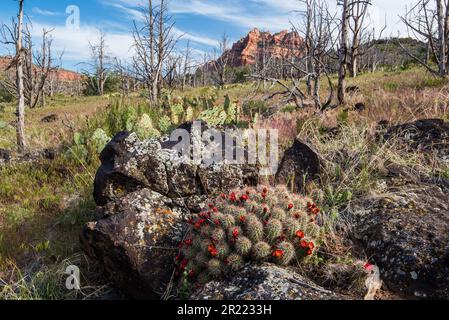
column 251, row 224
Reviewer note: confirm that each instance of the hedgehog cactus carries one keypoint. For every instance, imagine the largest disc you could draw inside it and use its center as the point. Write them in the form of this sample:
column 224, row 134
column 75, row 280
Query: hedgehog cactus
column 253, row 224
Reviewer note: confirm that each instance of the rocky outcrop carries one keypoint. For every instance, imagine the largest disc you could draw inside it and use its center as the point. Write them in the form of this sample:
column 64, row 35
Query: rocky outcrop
column 265, row 282
column 427, row 135
column 144, row 192
column 299, row 164
column 5, row 156
column 405, row 231
column 257, row 43
column 50, row 118
column 60, row 74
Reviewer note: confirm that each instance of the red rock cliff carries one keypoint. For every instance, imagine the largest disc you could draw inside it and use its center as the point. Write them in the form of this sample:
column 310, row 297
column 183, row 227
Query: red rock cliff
column 280, row 45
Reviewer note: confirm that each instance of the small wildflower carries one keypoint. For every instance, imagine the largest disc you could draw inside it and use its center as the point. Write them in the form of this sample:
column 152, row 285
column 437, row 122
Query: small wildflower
column 290, row 206
column 368, row 266
column 235, row 233
column 242, row 219
column 244, row 198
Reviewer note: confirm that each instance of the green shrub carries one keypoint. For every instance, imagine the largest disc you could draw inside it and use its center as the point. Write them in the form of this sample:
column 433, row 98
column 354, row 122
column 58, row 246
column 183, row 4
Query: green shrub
column 249, row 225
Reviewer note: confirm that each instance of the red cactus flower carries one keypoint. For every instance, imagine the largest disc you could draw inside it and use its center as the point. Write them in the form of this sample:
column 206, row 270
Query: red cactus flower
column 217, row 222
column 188, row 242
column 223, row 196
column 290, row 206
column 297, row 215
column 264, row 195
column 278, row 253
column 211, row 205
column 242, row 219
column 215, row 209
column 368, row 266
column 300, row 234
column 212, row 250
column 265, row 222
column 311, row 245
column 232, row 197
column 178, row 257
column 183, row 264
column 235, row 233
column 309, row 252
column 244, row 198
column 303, row 244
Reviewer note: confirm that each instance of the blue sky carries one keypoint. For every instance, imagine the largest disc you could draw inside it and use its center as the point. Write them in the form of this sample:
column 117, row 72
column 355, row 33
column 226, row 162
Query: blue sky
column 201, row 21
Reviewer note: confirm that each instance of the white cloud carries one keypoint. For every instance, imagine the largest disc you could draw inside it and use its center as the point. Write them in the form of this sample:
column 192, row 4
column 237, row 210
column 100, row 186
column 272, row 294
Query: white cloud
column 195, row 38
column 44, row 12
column 231, row 12
column 75, row 43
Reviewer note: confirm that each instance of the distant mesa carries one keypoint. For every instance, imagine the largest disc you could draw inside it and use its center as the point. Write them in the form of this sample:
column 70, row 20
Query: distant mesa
column 257, row 44
column 60, row 74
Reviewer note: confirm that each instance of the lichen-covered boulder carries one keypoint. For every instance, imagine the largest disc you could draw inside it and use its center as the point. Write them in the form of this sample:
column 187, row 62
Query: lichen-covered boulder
column 265, row 282
column 405, row 231
column 300, row 163
column 135, row 240
column 144, row 191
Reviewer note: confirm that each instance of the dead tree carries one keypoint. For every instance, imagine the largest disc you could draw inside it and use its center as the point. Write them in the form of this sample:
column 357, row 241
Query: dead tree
column 38, row 66
column 343, row 50
column 186, row 64
column 14, row 36
column 121, row 68
column 99, row 64
column 154, row 42
column 428, row 21
column 221, row 62
column 357, row 17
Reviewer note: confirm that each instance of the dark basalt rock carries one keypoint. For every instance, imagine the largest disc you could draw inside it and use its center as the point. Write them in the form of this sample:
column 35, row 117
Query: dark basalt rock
column 144, row 192
column 427, row 135
column 50, row 118
column 5, row 155
column 300, row 163
column 405, row 231
column 265, row 282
